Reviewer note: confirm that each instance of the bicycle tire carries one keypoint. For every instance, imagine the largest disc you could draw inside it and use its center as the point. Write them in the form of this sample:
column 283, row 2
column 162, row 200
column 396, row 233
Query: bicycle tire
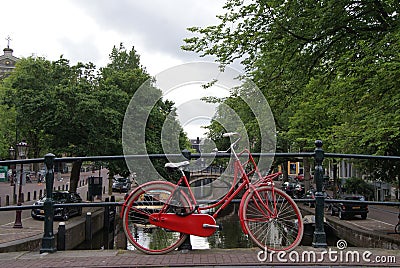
column 281, row 233
column 145, row 200
column 397, row 228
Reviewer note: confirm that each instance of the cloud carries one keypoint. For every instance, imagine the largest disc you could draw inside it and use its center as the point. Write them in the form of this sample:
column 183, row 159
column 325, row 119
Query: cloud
column 158, row 25
column 86, row 31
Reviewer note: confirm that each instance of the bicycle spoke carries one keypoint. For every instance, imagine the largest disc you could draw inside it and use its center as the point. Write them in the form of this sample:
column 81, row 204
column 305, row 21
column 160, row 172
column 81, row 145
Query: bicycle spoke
column 269, row 227
column 152, row 198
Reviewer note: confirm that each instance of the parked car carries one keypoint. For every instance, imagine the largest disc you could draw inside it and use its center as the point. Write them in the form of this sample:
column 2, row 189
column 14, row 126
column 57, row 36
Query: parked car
column 121, row 185
column 347, row 210
column 59, row 197
column 310, row 194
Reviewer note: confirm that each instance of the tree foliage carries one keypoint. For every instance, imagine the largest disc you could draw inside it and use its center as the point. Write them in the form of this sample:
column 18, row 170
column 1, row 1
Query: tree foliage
column 359, row 186
column 75, row 110
column 329, row 69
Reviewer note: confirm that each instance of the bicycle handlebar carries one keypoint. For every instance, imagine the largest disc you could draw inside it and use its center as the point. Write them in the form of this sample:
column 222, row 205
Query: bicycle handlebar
column 231, row 147
column 230, row 134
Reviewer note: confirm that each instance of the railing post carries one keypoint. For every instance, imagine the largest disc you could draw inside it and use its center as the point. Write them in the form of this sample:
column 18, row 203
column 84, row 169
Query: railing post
column 186, row 245
column 319, row 240
column 48, row 241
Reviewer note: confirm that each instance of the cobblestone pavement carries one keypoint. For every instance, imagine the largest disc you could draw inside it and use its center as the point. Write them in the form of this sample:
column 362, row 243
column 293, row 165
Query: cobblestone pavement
column 302, row 256
column 9, row 234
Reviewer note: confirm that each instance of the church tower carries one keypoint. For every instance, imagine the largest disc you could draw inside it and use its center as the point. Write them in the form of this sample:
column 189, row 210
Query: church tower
column 7, row 61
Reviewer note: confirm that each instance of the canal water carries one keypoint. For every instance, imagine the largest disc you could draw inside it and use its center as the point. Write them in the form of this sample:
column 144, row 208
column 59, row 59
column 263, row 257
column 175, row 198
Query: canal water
column 231, row 235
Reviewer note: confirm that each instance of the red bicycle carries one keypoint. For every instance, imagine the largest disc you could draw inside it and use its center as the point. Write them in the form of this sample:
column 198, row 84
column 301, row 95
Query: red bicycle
column 159, row 215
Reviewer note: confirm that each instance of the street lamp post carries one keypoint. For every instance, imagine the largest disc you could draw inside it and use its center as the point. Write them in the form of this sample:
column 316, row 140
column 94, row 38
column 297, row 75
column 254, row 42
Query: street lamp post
column 12, row 179
column 22, row 149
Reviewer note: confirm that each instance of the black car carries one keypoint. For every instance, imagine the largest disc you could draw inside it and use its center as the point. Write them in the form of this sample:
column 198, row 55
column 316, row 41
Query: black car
column 121, row 185
column 347, row 210
column 64, row 213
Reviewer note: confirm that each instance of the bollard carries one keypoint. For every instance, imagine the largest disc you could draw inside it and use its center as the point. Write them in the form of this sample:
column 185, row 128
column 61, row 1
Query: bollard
column 319, row 239
column 122, row 241
column 61, row 236
column 88, row 227
column 106, row 225
column 112, row 221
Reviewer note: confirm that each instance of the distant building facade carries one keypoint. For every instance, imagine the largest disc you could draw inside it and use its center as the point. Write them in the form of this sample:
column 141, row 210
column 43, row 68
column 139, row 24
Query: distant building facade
column 196, row 144
column 7, row 62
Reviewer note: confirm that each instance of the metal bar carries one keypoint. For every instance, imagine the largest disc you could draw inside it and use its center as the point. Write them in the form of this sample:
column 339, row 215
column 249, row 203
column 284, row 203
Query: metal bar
column 237, row 201
column 362, row 156
column 193, row 156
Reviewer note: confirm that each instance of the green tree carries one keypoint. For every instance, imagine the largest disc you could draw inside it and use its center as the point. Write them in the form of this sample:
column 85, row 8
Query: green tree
column 7, row 126
column 77, row 111
column 359, row 186
column 25, row 91
column 329, row 69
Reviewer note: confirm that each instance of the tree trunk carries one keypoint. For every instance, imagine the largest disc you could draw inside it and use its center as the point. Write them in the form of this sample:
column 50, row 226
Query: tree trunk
column 75, row 174
column 110, row 182
column 285, row 171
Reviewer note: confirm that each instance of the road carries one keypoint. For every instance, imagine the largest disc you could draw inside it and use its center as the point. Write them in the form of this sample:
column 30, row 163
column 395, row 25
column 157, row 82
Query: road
column 61, row 182
column 380, row 218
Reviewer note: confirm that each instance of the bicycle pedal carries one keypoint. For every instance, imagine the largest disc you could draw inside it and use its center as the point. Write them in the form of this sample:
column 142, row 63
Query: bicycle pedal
column 219, row 227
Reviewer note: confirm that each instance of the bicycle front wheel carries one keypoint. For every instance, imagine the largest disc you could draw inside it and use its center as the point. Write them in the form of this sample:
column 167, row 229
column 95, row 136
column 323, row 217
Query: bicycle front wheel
column 148, row 199
column 280, row 231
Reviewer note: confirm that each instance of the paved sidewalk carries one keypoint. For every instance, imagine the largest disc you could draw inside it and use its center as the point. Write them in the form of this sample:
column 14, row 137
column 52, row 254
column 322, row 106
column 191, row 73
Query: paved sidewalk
column 204, row 258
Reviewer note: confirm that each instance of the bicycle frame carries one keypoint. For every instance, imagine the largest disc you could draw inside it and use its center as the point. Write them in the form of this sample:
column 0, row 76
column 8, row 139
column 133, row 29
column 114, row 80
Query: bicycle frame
column 267, row 215
column 244, row 183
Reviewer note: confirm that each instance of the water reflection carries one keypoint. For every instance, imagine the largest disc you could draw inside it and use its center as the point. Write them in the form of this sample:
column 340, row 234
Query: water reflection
column 232, row 236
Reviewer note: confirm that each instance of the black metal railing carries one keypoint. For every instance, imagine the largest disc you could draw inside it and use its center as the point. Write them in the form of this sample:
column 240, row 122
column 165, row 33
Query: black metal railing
column 319, row 240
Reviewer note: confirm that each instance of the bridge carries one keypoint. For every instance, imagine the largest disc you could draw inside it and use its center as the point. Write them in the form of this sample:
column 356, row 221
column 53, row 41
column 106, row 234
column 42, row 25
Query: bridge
column 48, row 240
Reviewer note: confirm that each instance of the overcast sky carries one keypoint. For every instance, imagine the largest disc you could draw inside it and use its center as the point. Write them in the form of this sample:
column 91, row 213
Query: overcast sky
column 87, row 30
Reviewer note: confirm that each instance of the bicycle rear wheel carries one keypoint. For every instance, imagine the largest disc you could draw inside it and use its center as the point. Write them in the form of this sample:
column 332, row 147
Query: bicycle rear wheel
column 145, row 200
column 280, row 232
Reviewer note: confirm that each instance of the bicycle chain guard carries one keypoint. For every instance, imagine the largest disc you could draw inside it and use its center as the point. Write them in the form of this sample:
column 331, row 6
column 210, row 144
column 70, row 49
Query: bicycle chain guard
column 195, row 224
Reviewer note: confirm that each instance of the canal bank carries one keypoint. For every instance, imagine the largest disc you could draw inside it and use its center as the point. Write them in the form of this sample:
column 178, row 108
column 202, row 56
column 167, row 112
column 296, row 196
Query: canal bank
column 29, row 238
column 355, row 234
